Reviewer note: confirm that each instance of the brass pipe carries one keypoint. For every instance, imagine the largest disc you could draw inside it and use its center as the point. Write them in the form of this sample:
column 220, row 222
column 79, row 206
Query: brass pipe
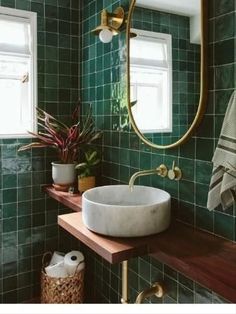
column 156, row 289
column 125, row 293
column 161, row 171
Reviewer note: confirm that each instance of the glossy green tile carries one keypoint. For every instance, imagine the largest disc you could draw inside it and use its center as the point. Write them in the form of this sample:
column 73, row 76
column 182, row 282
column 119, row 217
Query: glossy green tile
column 145, row 160
column 202, row 295
column 24, row 194
column 25, row 264
column 224, row 77
column 204, row 149
column 38, row 8
column 186, row 191
column 187, row 166
column 23, row 5
column 185, row 212
column 225, row 27
column 204, row 219
column 223, row 53
column 24, row 222
column 171, row 288
column 9, row 181
column 156, row 274
column 207, row 127
column 9, row 239
column 218, row 124
column 222, row 100
column 170, row 272
column 144, row 269
column 9, row 210
column 24, row 294
column 24, row 208
column 9, row 151
column 8, row 3
column 9, row 195
column 224, row 225
column 9, row 224
column 9, row 297
column 188, row 150
column 9, row 269
column 124, row 173
column 217, row 299
column 203, row 172
column 24, row 179
column 24, row 236
column 223, row 7
column 10, row 255
column 201, row 194
column 185, row 295
column 10, row 283
column 185, row 281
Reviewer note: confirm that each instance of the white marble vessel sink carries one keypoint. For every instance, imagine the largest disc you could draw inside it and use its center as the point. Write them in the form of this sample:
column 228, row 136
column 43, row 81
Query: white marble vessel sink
column 114, row 210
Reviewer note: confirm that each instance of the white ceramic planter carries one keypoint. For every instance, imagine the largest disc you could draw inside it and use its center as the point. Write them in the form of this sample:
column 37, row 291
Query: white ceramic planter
column 63, row 174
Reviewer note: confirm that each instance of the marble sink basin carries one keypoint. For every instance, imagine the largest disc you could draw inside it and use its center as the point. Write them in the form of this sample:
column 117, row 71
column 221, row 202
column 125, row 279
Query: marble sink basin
column 114, row 210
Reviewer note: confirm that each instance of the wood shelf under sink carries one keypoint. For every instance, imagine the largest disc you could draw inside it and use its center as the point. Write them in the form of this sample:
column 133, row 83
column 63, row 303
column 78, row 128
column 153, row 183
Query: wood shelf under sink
column 205, row 258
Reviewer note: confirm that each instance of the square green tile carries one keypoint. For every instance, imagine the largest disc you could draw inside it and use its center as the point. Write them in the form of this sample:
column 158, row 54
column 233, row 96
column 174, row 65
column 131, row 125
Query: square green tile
column 224, row 225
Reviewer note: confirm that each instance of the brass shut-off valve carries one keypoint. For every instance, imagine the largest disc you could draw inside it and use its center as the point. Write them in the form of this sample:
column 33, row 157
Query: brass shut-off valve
column 175, row 173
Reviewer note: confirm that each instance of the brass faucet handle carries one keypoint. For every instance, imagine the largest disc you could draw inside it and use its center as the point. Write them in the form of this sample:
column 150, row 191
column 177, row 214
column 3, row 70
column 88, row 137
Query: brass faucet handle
column 162, row 170
column 160, row 289
column 175, row 173
column 157, row 289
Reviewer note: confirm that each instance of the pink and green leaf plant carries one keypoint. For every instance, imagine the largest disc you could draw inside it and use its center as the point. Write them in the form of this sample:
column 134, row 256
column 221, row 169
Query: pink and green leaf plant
column 67, row 140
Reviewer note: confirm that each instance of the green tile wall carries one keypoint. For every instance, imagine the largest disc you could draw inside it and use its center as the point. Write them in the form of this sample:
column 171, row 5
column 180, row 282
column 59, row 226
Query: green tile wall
column 28, row 220
column 103, row 70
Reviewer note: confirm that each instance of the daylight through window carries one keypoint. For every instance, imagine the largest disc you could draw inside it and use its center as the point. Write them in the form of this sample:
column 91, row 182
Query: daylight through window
column 17, row 72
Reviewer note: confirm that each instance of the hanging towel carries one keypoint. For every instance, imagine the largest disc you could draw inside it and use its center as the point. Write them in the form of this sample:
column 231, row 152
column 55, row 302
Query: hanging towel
column 223, row 181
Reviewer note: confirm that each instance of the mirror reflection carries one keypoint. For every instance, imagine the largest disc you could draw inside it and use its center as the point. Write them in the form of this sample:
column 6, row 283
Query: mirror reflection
column 165, row 67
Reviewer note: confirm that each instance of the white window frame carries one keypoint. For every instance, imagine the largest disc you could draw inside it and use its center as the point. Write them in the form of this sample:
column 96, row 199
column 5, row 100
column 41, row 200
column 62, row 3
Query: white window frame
column 31, row 17
column 167, row 38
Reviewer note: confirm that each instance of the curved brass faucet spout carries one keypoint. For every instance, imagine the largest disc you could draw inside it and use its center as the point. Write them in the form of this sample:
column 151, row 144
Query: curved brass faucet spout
column 156, row 290
column 161, row 171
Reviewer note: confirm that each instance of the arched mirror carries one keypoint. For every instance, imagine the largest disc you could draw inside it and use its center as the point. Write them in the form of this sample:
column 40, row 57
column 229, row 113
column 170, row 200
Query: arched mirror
column 166, row 69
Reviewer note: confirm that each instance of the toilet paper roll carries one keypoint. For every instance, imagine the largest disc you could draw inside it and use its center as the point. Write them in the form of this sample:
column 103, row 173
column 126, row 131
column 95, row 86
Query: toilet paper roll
column 80, row 267
column 57, row 257
column 72, row 260
column 56, row 271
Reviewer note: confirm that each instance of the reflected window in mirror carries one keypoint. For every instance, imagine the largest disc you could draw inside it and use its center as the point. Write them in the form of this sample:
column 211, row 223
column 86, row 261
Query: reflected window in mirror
column 151, row 80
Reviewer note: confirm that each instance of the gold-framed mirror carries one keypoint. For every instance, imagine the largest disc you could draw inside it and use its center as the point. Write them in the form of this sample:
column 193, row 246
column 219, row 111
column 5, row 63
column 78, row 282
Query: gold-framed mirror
column 167, row 79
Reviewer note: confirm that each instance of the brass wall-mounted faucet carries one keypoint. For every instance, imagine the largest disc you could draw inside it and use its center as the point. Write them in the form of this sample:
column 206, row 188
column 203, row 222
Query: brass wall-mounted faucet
column 160, row 171
column 156, row 289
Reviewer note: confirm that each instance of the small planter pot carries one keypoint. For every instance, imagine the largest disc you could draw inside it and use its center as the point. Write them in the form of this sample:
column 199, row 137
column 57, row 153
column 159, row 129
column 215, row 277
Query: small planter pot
column 86, row 183
column 63, row 175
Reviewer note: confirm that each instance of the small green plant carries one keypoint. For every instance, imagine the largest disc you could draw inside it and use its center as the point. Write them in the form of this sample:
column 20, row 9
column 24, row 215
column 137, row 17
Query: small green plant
column 87, row 167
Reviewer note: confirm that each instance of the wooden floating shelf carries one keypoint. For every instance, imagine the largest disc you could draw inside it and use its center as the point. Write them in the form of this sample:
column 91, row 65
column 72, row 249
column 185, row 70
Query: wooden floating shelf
column 73, row 202
column 205, row 258
column 114, row 250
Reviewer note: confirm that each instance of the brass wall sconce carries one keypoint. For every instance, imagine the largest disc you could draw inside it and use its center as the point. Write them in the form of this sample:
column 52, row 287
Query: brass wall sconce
column 110, row 24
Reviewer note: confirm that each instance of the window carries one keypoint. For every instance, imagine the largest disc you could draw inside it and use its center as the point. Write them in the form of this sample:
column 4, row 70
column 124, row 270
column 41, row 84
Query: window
column 151, row 81
column 18, row 77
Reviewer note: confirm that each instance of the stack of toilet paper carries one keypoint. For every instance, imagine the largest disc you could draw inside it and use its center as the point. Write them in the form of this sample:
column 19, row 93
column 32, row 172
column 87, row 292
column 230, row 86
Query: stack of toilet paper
column 64, row 265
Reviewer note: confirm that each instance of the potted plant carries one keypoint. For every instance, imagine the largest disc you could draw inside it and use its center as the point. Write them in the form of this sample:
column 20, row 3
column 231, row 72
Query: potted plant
column 66, row 140
column 86, row 177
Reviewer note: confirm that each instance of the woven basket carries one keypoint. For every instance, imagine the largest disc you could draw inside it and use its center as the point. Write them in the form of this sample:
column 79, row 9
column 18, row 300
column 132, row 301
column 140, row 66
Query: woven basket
column 61, row 290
